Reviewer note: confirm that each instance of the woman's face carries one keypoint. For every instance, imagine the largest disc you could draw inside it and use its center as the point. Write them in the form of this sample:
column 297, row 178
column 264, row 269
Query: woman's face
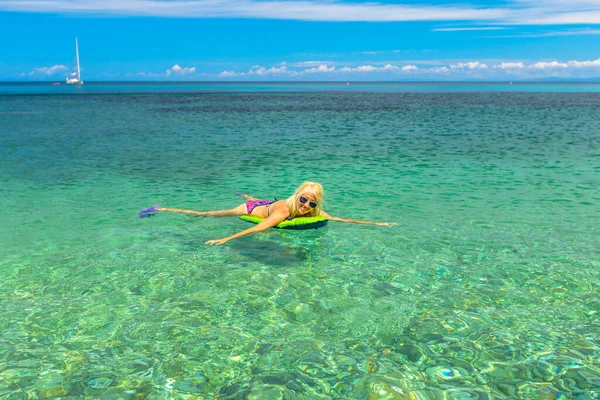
column 306, row 202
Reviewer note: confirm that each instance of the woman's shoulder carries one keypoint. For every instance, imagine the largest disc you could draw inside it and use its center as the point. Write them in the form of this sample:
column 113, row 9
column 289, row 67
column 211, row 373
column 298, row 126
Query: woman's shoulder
column 281, row 205
column 322, row 213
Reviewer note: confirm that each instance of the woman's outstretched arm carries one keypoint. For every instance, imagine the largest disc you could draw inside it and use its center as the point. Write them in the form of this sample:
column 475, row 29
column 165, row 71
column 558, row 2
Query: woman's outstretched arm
column 269, row 222
column 356, row 221
column 239, row 210
column 179, row 210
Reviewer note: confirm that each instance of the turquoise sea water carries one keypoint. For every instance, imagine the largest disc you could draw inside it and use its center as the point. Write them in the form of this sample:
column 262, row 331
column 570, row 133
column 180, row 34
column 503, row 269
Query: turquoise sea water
column 486, row 289
column 387, row 87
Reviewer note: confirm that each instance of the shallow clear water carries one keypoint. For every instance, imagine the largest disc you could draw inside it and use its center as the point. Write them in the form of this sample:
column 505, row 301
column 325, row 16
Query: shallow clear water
column 487, row 288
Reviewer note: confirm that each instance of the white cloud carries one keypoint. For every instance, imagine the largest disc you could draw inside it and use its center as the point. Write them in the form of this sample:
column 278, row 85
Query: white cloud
column 585, row 64
column 570, row 32
column 568, row 64
column 365, row 68
column 510, row 65
column 257, row 70
column 513, row 12
column 469, row 65
column 230, row 74
column 561, row 18
column 319, row 70
column 517, row 12
column 547, row 65
column 373, row 69
column 262, row 71
column 487, row 28
column 553, row 12
column 311, row 63
column 566, row 32
column 431, row 69
column 177, row 70
column 316, row 10
column 151, row 75
column 438, row 70
column 48, row 71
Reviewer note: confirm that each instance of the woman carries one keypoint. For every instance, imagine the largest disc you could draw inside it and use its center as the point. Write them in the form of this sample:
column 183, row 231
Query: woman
column 306, row 201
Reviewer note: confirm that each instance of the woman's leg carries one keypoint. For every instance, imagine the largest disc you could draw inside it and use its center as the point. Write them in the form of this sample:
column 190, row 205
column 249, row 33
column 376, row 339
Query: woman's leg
column 239, row 210
column 248, row 197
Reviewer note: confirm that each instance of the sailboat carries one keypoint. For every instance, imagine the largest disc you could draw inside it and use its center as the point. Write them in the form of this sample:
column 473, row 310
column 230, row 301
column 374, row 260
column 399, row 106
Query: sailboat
column 75, row 78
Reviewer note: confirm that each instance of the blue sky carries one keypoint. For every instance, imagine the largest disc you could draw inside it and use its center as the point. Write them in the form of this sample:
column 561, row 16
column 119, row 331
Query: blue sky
column 301, row 40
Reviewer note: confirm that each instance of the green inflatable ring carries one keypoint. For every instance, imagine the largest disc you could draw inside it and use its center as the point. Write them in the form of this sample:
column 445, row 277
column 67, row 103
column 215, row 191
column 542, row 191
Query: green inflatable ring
column 296, row 224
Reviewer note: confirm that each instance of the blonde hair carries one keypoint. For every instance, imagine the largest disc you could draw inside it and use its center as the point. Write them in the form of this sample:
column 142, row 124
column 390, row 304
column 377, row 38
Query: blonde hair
column 313, row 188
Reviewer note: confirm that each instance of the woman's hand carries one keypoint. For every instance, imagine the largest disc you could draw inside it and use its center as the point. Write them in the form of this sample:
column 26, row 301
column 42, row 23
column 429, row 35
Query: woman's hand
column 217, row 242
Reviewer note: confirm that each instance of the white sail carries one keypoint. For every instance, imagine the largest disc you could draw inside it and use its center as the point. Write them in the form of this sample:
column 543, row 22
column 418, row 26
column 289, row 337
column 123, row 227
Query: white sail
column 76, row 76
column 77, row 55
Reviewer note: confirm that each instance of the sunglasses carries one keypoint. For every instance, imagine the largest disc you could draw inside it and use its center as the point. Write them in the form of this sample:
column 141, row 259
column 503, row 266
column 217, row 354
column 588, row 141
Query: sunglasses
column 311, row 203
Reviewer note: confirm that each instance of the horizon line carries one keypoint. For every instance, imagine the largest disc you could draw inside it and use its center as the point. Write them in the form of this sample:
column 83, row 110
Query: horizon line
column 93, row 82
